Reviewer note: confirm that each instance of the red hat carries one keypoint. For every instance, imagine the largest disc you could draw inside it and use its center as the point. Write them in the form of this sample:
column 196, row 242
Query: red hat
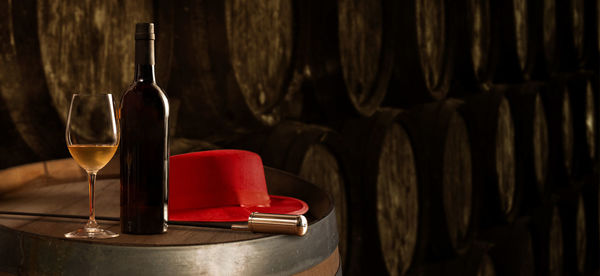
column 223, row 185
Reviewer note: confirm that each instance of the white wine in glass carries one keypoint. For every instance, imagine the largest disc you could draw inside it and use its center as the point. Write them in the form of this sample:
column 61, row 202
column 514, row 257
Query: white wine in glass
column 92, row 138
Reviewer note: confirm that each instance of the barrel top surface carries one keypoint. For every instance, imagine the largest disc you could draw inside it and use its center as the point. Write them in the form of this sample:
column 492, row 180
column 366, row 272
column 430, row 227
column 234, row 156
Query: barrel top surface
column 36, row 245
column 71, row 198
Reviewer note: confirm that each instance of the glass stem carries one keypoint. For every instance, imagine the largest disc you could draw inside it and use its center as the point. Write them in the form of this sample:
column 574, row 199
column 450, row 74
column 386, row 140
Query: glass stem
column 92, row 181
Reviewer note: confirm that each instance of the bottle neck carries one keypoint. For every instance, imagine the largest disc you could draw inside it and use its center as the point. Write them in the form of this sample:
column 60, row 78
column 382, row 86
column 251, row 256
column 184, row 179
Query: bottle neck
column 144, row 73
column 144, row 61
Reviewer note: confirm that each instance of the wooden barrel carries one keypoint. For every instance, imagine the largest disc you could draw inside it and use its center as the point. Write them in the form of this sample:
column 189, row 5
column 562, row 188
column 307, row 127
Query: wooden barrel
column 348, row 48
column 443, row 161
column 565, row 34
column 36, row 245
column 512, row 248
column 312, row 152
column 492, row 136
column 90, row 53
column 594, row 82
column 514, row 57
column 57, row 49
column 473, row 52
column 531, row 143
column 572, row 212
column 384, row 195
column 583, row 105
column 542, row 22
column 557, row 104
column 234, row 63
column 570, row 27
column 547, row 237
column 35, row 132
column 106, row 32
column 591, row 45
column 423, row 67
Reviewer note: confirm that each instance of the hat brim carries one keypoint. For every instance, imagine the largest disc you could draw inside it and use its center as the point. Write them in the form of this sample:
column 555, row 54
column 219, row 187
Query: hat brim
column 278, row 205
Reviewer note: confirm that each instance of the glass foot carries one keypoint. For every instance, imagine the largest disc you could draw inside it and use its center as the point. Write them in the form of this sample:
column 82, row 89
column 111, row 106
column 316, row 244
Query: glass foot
column 91, row 233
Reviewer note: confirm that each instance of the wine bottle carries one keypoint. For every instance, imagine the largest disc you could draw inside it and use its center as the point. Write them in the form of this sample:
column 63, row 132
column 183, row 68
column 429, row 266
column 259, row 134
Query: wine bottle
column 144, row 144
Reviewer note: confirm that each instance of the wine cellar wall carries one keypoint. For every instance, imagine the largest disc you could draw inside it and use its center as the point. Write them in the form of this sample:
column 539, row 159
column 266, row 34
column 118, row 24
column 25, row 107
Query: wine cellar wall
column 455, row 137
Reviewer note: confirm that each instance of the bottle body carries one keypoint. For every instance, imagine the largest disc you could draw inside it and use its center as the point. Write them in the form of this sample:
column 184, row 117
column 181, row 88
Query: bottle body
column 144, row 117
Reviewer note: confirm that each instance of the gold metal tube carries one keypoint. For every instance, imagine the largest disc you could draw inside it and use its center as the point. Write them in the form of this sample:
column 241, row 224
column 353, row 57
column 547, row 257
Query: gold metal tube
column 275, row 224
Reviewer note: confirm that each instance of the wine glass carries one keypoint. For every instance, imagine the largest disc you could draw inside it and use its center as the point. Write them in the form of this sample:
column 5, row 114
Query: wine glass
column 92, row 138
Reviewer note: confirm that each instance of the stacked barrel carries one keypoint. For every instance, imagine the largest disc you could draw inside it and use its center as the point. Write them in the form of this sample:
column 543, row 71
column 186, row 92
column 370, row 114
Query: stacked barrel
column 455, row 137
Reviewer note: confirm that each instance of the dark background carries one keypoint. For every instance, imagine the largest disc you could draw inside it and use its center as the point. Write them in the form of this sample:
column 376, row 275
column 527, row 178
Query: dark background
column 456, row 137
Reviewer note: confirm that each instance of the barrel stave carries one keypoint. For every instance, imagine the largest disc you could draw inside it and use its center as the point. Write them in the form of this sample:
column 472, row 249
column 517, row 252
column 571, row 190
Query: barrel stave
column 491, row 131
column 385, row 193
column 583, row 107
column 224, row 72
column 555, row 96
column 313, row 152
column 473, row 53
column 514, row 51
column 443, row 161
column 23, row 86
column 531, row 143
column 424, row 58
column 348, row 56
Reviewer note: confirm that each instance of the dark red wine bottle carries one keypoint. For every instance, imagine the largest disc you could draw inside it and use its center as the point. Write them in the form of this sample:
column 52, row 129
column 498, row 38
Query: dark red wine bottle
column 144, row 144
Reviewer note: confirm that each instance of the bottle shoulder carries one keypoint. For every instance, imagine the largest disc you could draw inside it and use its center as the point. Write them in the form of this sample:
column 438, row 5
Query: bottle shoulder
column 144, row 93
column 148, row 88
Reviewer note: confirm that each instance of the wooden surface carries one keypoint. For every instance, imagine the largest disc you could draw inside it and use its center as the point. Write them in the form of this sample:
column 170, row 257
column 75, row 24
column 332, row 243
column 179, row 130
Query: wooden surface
column 492, row 134
column 397, row 200
column 457, row 182
column 570, row 27
column 348, row 47
column 106, row 32
column 478, row 19
column 312, row 152
column 70, row 197
column 57, row 49
column 583, row 105
column 260, row 37
column 543, row 32
column 473, row 66
column 531, row 143
column 424, row 54
column 233, row 71
column 361, row 52
column 557, row 103
column 23, row 86
column 444, row 168
column 513, row 49
column 60, row 187
column 505, row 158
column 384, row 192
